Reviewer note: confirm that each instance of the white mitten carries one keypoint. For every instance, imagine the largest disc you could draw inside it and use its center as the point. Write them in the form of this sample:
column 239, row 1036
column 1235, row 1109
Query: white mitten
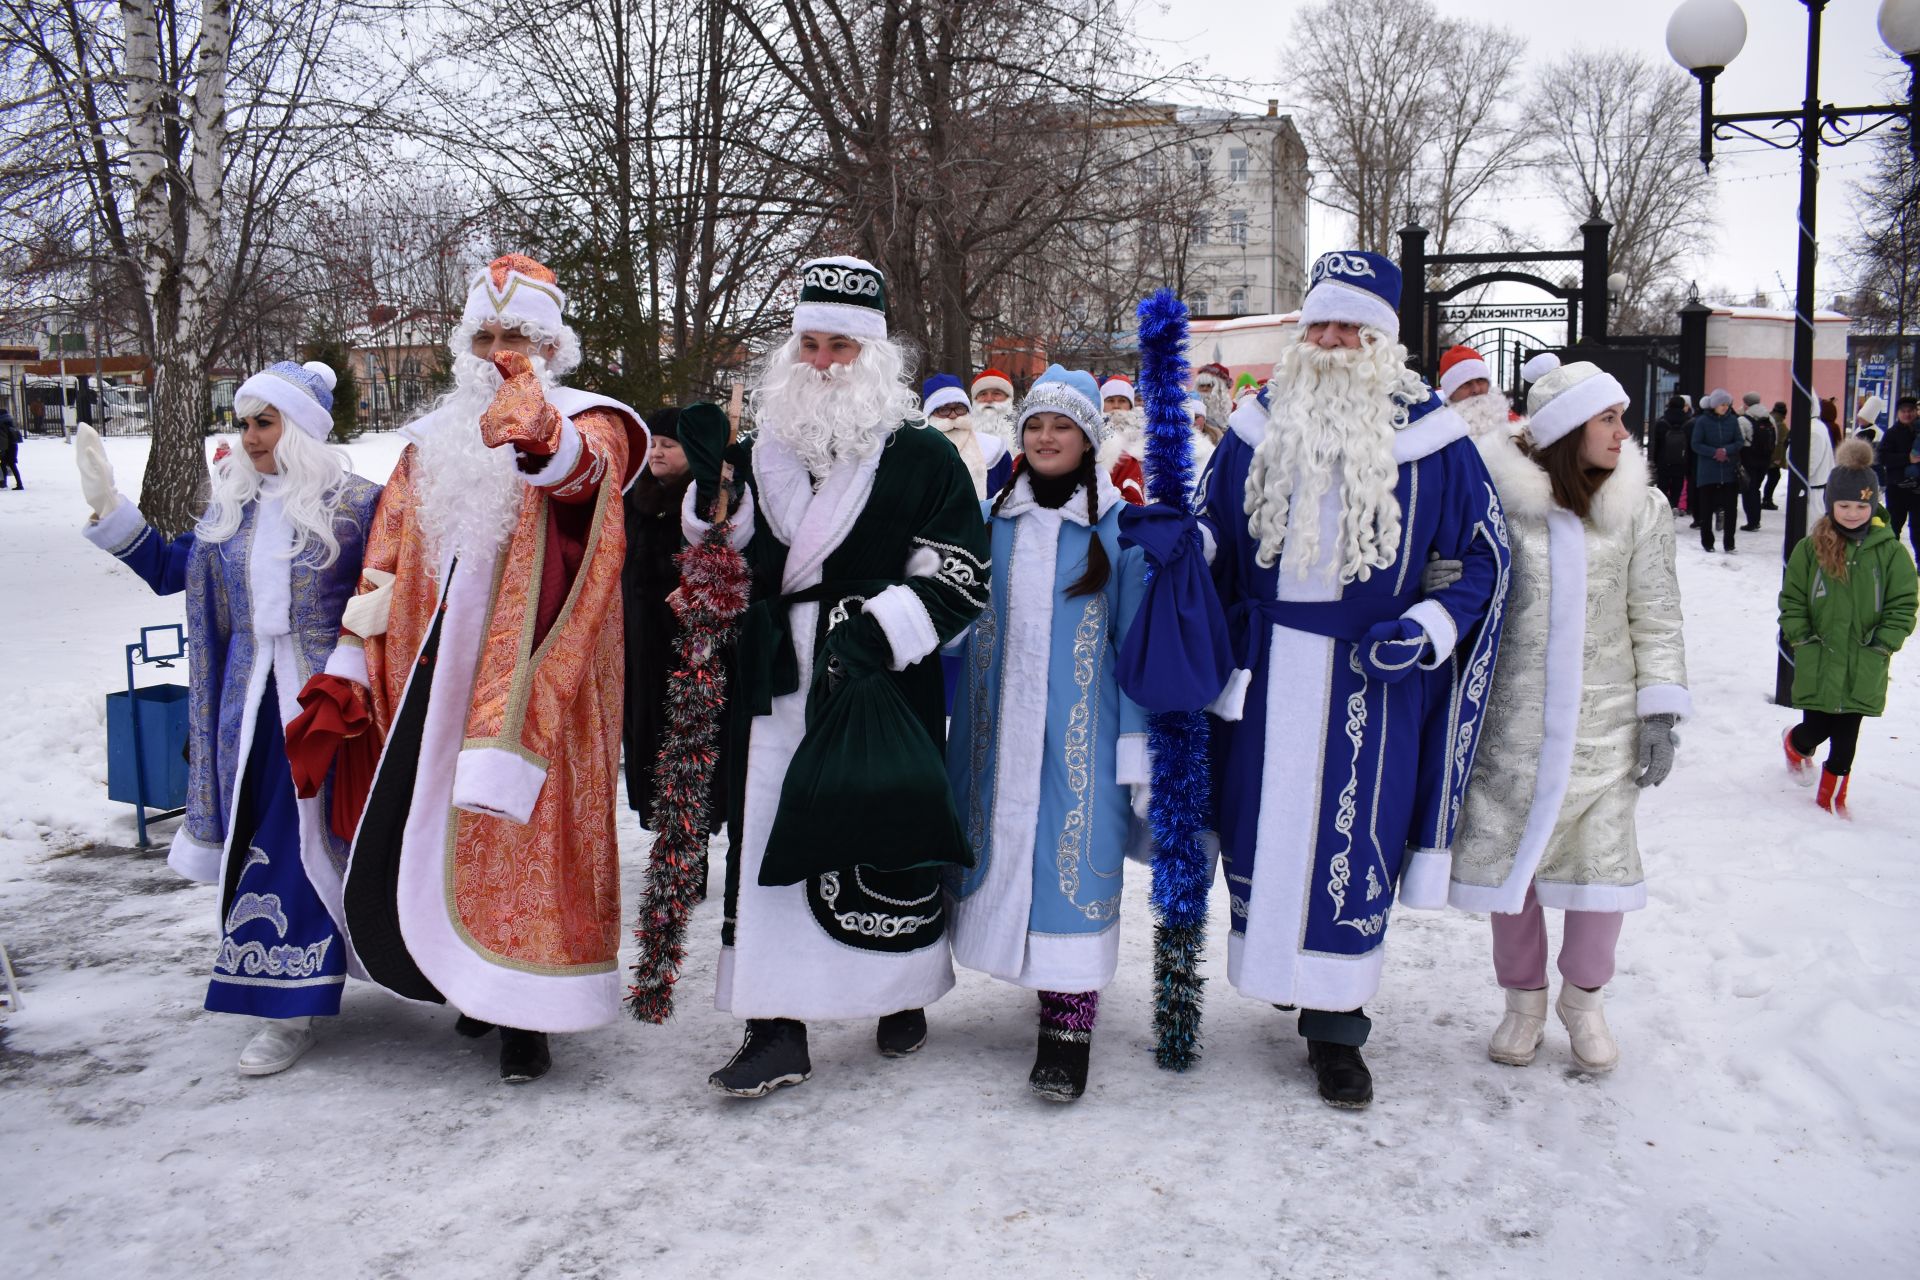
column 96, row 473
column 366, row 614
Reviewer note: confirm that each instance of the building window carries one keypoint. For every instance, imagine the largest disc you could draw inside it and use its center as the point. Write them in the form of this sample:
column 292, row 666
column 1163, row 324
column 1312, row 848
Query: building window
column 1237, row 303
column 1237, row 164
column 1237, row 226
column 1199, row 304
column 1202, row 158
column 1201, row 232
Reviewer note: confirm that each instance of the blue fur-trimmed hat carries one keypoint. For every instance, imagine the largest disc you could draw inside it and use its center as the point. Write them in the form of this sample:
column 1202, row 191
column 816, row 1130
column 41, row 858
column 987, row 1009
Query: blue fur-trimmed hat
column 941, row 390
column 303, row 393
column 1352, row 286
column 1072, row 392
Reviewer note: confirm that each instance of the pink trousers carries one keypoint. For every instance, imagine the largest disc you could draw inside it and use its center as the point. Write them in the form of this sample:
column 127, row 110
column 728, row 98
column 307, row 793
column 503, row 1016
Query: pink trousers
column 1586, row 947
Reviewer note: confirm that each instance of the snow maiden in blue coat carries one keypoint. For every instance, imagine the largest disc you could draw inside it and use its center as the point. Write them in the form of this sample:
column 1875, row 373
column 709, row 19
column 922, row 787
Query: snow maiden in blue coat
column 1045, row 749
column 267, row 573
column 1350, row 727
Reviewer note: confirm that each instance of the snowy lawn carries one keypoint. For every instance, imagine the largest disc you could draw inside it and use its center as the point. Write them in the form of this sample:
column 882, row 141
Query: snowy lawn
column 1762, row 1121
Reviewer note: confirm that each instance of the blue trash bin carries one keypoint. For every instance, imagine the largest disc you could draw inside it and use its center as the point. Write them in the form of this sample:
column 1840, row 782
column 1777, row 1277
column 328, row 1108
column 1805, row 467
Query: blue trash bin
column 160, row 748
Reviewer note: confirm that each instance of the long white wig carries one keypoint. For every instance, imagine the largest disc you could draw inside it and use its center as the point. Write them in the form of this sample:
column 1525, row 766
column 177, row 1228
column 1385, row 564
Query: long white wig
column 1333, row 411
column 841, row 415
column 310, row 477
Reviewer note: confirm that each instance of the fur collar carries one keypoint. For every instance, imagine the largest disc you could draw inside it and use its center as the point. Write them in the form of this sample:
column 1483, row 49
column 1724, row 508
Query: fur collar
column 1525, row 491
column 1020, row 502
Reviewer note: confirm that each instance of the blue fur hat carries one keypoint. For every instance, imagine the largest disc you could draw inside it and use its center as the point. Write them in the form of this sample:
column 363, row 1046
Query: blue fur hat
column 303, row 393
column 940, row 390
column 1352, row 286
column 1072, row 392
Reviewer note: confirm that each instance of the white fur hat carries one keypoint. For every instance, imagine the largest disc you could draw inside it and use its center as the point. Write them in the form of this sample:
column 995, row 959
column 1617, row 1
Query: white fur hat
column 1565, row 396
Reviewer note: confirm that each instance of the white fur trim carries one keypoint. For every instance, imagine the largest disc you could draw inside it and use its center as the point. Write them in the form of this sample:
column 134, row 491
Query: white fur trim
column 1590, row 897
column 497, row 782
column 1230, row 703
column 1566, row 668
column 1585, row 399
column 1423, row 879
column 1523, row 487
column 1337, row 300
column 903, row 615
column 992, row 448
column 270, row 567
column 990, row 925
column 1539, row 366
column 694, row 529
column 842, row 319
column 1434, row 432
column 195, row 859
column 295, row 403
column 1617, row 502
column 987, row 382
column 1208, row 547
column 1132, row 762
column 1459, row 374
column 1442, row 635
column 1249, row 421
column 564, row 459
column 1664, row 699
column 923, row 563
column 1119, row 387
column 1074, row 510
column 521, row 299
column 117, row 531
column 944, row 397
column 1075, row 962
column 349, row 661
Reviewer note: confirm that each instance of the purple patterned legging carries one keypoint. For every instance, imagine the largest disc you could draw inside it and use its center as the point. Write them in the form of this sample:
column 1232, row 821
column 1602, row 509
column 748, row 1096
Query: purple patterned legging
column 1069, row 1011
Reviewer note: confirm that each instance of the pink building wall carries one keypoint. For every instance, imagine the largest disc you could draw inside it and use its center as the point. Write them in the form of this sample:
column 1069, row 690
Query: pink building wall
column 1751, row 349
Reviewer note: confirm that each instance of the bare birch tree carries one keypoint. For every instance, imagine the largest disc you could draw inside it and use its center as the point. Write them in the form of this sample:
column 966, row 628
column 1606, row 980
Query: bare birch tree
column 1623, row 134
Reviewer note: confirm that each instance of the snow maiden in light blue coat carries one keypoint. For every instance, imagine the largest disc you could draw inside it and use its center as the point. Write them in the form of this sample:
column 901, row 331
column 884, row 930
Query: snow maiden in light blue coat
column 1045, row 749
column 267, row 574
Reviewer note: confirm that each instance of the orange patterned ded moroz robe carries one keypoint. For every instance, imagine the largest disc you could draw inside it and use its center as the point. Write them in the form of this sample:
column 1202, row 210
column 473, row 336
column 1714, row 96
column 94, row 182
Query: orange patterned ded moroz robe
column 485, row 870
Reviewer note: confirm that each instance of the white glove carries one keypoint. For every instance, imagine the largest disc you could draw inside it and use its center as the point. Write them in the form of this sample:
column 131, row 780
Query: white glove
column 96, row 473
column 366, row 614
column 1141, row 797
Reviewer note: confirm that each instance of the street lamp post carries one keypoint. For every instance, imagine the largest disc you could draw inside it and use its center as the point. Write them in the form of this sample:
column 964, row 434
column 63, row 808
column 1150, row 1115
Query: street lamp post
column 1704, row 36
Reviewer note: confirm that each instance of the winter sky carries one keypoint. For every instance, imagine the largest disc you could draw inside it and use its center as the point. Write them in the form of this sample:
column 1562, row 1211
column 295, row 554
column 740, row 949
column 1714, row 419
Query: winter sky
column 1246, row 42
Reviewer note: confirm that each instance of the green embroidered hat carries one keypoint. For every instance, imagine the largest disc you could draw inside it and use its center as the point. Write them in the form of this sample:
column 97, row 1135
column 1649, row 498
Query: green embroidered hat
column 842, row 295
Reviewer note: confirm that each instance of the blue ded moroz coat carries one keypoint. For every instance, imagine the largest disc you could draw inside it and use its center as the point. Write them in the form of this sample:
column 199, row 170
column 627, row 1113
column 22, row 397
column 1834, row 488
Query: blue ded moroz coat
column 1330, row 785
column 1044, row 749
column 259, row 623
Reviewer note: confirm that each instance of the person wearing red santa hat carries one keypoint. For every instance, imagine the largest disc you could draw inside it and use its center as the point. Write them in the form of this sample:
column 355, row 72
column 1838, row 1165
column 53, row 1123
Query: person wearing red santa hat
column 992, row 393
column 1126, row 444
column 1466, row 383
column 1214, row 383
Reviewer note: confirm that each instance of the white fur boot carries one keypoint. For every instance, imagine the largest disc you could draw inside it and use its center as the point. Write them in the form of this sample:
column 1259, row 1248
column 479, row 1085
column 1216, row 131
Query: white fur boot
column 277, row 1046
column 1585, row 1018
column 1518, row 1036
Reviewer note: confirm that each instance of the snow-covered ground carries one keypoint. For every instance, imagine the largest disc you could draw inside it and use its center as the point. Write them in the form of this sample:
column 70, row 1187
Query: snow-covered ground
column 1762, row 1122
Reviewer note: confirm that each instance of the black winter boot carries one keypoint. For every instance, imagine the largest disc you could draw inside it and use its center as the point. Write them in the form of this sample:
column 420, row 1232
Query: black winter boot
column 471, row 1028
column 523, row 1055
column 773, row 1056
column 1342, row 1074
column 1060, row 1065
column 900, row 1034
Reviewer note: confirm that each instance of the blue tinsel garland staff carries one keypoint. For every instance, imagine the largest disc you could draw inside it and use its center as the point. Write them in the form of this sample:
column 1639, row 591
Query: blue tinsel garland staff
column 1181, row 800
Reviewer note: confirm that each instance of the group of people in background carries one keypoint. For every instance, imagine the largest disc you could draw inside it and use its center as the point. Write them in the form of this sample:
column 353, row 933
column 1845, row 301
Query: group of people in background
column 1437, row 645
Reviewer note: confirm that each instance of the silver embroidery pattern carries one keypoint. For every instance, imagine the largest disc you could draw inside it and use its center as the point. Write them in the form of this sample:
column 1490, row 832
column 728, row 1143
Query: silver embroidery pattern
column 254, row 959
column 986, row 630
column 1339, row 263
column 1340, row 868
column 1083, row 727
column 873, row 924
column 840, row 612
column 960, row 570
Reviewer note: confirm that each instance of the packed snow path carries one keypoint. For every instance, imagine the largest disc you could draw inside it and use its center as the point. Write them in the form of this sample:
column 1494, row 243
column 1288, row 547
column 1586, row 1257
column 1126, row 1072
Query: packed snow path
column 1762, row 1121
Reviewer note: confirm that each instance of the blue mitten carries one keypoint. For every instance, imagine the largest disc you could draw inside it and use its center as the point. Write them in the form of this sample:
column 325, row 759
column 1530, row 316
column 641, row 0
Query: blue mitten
column 1390, row 650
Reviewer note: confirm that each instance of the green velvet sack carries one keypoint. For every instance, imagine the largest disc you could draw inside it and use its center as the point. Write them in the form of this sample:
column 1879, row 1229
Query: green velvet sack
column 867, row 786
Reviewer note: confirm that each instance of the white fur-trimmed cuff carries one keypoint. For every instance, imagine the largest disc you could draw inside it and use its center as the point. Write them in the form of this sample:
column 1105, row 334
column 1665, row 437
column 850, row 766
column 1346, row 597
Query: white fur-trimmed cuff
column 1424, row 877
column 195, row 859
column 1442, row 636
column 694, row 529
column 909, row 627
column 497, row 782
column 1664, row 699
column 348, row 660
column 1208, row 547
column 1231, row 702
column 117, row 531
column 561, row 464
column 1132, row 762
column 1591, row 897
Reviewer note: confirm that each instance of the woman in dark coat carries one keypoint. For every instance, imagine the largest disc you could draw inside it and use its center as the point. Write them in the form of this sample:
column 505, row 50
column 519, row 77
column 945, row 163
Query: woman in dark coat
column 647, row 578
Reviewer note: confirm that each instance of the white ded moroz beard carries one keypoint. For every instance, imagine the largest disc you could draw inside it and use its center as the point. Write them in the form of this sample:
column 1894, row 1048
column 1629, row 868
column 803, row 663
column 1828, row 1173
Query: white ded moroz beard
column 470, row 495
column 994, row 419
column 841, row 415
column 1333, row 413
column 1126, row 434
column 1486, row 414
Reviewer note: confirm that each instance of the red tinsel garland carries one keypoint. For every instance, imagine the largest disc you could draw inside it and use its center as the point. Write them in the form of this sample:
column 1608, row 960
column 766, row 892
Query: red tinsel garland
column 713, row 594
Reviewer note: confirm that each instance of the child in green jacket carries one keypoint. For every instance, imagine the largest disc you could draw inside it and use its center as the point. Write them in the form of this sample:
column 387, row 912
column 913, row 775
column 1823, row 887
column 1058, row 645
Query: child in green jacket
column 1846, row 605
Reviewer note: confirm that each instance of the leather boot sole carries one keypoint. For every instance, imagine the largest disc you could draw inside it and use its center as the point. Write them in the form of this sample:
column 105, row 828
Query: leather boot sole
column 763, row 1088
